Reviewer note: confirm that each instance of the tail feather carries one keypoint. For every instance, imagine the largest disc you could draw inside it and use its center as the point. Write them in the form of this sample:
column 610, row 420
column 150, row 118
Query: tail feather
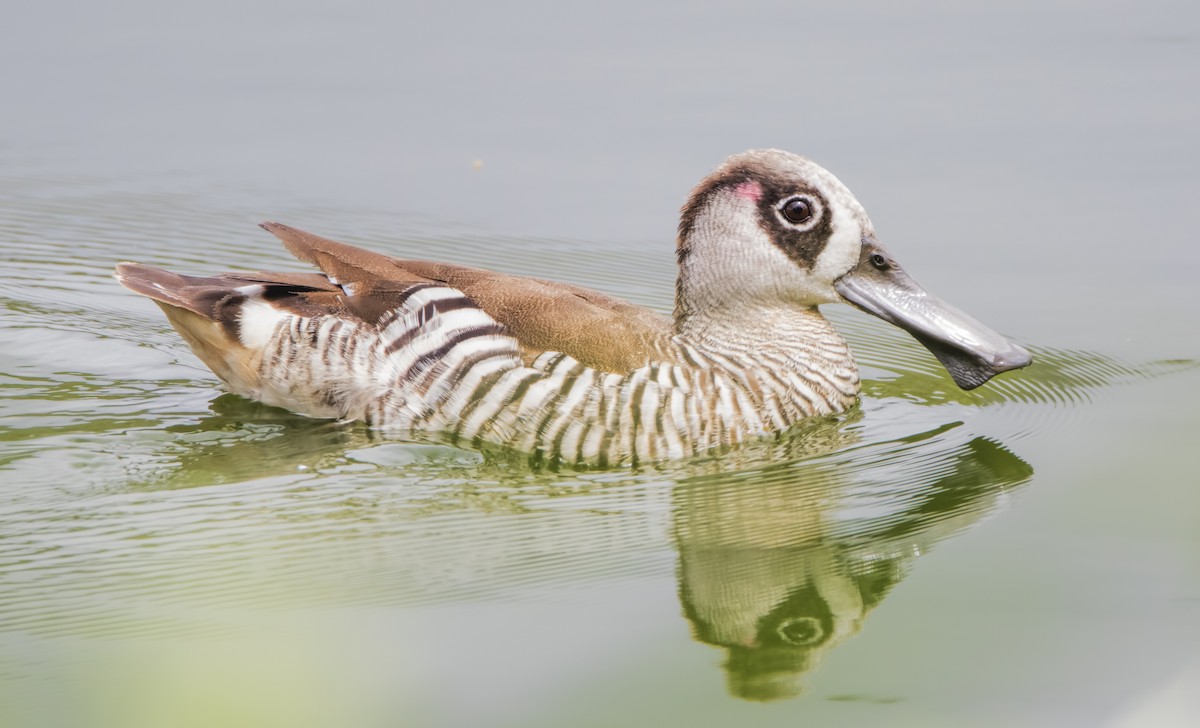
column 230, row 320
column 198, row 295
column 206, row 313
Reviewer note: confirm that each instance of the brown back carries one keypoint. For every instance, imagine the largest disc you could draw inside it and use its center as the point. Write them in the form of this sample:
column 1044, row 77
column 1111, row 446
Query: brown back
column 599, row 330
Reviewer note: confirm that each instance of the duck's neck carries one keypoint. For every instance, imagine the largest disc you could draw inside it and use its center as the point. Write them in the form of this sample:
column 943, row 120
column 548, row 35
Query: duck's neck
column 784, row 329
column 790, row 343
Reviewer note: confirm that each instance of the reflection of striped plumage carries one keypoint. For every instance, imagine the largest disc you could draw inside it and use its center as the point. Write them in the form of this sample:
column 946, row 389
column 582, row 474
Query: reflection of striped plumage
column 437, row 362
column 566, row 373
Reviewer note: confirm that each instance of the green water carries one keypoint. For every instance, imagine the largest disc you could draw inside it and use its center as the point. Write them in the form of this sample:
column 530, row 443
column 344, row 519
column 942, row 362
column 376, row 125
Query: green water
column 1027, row 554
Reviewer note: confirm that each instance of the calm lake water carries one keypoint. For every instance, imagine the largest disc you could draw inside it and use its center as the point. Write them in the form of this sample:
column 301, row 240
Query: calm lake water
column 1024, row 555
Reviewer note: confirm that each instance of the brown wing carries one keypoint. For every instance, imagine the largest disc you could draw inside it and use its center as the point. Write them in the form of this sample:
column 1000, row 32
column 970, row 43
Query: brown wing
column 599, row 330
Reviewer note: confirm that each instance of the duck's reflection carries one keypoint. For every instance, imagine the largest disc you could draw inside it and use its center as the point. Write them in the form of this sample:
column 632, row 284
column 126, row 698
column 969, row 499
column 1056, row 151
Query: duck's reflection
column 780, row 569
column 783, row 546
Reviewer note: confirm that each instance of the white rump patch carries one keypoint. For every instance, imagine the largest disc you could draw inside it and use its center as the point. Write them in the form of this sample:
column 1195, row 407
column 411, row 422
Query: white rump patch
column 258, row 322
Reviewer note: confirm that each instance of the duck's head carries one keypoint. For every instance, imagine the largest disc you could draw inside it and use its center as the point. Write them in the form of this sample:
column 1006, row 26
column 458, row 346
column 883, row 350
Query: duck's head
column 772, row 229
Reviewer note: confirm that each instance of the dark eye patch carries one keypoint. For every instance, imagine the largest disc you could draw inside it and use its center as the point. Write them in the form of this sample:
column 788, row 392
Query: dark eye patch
column 803, row 246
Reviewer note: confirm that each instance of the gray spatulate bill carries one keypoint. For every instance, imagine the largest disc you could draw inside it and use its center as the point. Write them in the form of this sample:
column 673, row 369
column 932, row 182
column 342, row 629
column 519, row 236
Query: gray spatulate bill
column 970, row 351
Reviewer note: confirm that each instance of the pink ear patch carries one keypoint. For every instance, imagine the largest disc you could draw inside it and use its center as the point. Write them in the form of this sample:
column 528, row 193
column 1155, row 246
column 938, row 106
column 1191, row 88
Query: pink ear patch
column 750, row 190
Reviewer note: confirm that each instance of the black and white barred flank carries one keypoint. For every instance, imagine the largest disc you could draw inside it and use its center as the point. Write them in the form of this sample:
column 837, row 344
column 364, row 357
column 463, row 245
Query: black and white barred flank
column 439, row 363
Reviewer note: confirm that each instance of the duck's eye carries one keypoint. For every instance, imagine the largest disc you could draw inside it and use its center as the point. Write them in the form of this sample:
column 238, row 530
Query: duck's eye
column 879, row 261
column 797, row 210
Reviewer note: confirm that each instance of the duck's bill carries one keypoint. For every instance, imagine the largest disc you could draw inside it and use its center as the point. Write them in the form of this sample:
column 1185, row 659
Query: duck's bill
column 970, row 351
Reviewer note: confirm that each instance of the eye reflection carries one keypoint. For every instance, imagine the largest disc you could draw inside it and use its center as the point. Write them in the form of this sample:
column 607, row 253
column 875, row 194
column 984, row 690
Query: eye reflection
column 800, row 631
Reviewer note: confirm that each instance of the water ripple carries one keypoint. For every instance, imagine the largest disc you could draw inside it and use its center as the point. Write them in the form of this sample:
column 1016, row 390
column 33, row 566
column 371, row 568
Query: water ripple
column 139, row 501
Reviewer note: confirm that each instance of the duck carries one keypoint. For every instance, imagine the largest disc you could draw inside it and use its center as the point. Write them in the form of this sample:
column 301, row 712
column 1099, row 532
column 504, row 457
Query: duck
column 572, row 376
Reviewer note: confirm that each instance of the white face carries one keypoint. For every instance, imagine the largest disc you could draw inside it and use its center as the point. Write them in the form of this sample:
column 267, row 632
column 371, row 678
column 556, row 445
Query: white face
column 769, row 228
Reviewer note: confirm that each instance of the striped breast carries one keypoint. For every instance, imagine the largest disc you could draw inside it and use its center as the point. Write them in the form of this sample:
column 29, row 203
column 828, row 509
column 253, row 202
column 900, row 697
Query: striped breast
column 438, row 363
